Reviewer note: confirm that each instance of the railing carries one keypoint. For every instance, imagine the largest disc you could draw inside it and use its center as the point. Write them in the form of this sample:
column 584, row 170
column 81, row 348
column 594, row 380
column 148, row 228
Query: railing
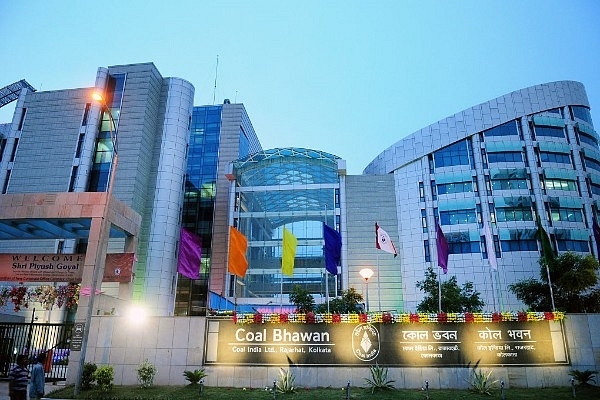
column 32, row 339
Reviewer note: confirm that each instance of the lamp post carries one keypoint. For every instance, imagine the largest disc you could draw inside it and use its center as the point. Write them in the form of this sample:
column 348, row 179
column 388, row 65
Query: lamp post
column 94, row 268
column 366, row 274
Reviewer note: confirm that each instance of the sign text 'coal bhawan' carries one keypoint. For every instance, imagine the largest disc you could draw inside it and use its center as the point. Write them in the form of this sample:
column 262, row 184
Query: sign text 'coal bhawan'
column 435, row 344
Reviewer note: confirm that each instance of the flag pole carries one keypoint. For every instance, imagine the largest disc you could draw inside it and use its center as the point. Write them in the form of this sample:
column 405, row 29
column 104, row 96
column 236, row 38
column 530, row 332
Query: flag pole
column 439, row 292
column 378, row 285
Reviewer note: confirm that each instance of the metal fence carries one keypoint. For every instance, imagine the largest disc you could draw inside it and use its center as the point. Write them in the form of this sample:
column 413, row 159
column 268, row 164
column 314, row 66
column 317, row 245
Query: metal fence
column 32, row 339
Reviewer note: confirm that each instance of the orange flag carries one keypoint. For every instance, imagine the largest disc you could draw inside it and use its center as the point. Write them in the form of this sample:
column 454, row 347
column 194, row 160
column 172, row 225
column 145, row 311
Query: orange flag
column 238, row 244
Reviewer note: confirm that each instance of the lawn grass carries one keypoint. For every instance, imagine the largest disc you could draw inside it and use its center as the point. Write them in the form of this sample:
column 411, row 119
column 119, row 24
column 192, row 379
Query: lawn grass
column 190, row 392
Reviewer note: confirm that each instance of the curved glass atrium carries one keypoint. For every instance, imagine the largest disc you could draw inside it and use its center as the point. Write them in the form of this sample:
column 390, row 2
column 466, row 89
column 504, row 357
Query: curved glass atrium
column 294, row 188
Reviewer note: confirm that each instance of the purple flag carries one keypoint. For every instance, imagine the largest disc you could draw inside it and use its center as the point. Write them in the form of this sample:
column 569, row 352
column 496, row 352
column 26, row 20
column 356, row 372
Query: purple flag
column 596, row 229
column 442, row 249
column 190, row 251
column 333, row 248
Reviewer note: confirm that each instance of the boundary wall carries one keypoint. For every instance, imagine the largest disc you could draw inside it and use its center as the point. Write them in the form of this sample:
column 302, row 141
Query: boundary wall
column 176, row 344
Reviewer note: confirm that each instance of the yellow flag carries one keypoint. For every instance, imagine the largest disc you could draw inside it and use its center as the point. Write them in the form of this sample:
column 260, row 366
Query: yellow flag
column 289, row 252
column 238, row 244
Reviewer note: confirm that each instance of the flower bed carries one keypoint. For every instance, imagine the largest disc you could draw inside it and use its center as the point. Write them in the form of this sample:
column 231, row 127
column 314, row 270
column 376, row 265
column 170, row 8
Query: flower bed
column 392, row 318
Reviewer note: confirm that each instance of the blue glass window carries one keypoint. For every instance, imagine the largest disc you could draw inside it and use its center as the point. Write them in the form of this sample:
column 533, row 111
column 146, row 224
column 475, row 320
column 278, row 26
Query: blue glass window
column 507, row 156
column 455, row 187
column 455, row 154
column 464, row 247
column 514, row 214
column 573, row 245
column 560, row 158
column 509, row 184
column 595, row 189
column 558, row 184
column 550, row 131
column 566, row 214
column 582, row 113
column 455, row 217
column 509, row 128
column 587, row 139
column 593, row 164
column 519, row 245
column 426, row 250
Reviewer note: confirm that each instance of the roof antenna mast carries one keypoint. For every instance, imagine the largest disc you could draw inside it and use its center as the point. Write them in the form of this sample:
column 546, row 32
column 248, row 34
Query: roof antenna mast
column 216, row 72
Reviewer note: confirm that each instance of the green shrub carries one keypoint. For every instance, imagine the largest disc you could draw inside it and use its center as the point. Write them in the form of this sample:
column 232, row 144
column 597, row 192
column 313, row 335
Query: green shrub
column 195, row 376
column 146, row 372
column 583, row 377
column 286, row 381
column 379, row 379
column 481, row 382
column 104, row 377
column 87, row 375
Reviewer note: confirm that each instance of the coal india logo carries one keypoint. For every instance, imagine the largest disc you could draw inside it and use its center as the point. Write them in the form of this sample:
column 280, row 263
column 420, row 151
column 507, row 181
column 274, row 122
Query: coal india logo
column 365, row 342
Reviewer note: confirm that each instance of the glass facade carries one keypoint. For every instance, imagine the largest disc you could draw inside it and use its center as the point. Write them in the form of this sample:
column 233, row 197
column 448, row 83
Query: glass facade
column 100, row 173
column 199, row 203
column 293, row 188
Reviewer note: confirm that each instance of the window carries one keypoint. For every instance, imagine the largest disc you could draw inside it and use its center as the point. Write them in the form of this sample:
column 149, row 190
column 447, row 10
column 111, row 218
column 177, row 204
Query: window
column 587, row 139
column 566, row 214
column 455, row 187
column 455, row 154
column 573, row 245
column 464, row 247
column 519, row 245
column 7, row 179
column 595, row 189
column 79, row 145
column 14, row 150
column 549, row 131
column 22, row 119
column 593, row 164
column 557, row 111
column 426, row 250
column 73, row 177
column 2, row 147
column 507, row 129
column 433, row 190
column 582, row 113
column 559, row 158
column 558, row 184
column 424, row 220
column 421, row 191
column 507, row 156
column 514, row 214
column 86, row 113
column 509, row 184
column 455, row 217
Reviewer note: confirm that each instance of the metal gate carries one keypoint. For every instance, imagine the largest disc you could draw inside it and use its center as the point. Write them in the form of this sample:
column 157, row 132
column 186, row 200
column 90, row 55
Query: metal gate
column 32, row 339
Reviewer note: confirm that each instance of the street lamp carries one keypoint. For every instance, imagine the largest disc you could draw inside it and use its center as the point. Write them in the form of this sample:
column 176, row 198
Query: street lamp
column 366, row 274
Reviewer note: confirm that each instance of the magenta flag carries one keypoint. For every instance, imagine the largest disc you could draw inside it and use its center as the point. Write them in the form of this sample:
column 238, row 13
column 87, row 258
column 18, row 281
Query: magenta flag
column 190, row 251
column 442, row 249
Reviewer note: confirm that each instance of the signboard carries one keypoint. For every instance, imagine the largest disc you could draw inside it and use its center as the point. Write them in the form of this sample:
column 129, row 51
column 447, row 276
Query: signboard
column 406, row 345
column 61, row 267
column 77, row 336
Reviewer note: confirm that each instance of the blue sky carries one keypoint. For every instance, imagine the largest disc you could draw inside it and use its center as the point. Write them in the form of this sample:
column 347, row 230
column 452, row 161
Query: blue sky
column 347, row 77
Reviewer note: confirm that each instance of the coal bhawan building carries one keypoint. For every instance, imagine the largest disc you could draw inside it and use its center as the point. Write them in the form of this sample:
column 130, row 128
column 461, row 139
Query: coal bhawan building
column 484, row 175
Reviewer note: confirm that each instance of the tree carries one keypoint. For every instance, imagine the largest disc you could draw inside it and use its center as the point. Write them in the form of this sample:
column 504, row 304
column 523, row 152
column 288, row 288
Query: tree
column 348, row 302
column 573, row 278
column 454, row 298
column 302, row 299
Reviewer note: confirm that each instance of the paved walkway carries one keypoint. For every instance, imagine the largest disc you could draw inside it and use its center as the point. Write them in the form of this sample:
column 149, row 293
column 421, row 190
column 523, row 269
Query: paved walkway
column 50, row 387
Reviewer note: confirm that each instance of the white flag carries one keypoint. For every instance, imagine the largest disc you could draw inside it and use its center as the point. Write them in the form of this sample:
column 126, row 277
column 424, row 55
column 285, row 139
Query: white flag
column 489, row 246
column 383, row 241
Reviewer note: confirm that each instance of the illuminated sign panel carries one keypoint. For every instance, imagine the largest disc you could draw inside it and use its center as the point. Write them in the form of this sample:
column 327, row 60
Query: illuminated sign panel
column 61, row 267
column 406, row 345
